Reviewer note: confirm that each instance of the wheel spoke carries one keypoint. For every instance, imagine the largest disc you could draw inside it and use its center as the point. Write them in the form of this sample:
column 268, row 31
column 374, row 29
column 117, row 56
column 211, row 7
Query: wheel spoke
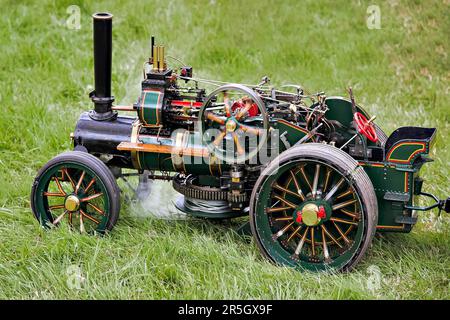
column 284, row 219
column 82, row 213
column 297, row 186
column 226, row 102
column 343, row 204
column 292, row 193
column 313, row 242
column 326, row 254
column 282, row 231
column 301, row 243
column 94, row 196
column 344, row 221
column 89, row 185
column 53, row 194
column 58, row 184
column 244, row 111
column 58, row 206
column 344, row 194
column 81, row 224
column 100, row 211
column 324, row 229
column 327, row 179
column 350, row 214
column 316, row 180
column 77, row 187
column 277, row 209
column 69, row 177
column 58, row 219
column 344, row 237
column 294, row 233
column 334, row 189
column 302, row 170
column 211, row 116
column 239, row 148
column 219, row 138
column 288, row 203
column 250, row 129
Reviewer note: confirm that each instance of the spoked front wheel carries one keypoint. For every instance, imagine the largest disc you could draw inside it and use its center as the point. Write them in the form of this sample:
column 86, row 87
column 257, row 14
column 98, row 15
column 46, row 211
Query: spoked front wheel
column 78, row 189
column 314, row 208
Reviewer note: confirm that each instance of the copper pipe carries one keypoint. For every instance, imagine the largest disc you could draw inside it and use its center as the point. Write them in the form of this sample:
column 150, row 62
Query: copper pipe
column 123, row 108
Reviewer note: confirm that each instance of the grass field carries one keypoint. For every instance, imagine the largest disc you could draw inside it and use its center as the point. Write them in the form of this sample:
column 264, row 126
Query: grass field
column 400, row 72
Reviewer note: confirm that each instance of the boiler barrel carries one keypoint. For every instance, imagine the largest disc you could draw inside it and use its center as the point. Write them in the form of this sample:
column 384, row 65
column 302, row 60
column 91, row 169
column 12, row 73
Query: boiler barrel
column 103, row 137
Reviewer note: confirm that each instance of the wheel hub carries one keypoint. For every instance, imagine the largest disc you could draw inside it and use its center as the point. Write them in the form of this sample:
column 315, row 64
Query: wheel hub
column 231, row 125
column 311, row 214
column 72, row 203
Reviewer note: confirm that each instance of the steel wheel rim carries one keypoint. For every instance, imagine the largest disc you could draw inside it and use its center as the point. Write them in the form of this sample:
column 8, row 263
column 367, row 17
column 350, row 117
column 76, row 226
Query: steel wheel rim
column 282, row 248
column 79, row 182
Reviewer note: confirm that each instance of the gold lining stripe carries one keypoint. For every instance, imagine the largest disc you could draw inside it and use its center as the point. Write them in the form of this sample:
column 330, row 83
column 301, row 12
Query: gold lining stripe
column 134, row 139
column 423, row 144
column 392, row 227
column 378, row 165
column 305, row 131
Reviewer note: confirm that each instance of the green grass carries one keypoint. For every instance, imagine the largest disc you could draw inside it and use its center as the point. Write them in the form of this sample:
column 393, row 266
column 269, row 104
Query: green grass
column 400, row 73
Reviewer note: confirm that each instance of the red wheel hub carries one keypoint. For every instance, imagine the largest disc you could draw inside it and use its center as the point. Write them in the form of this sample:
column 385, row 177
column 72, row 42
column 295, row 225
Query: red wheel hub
column 310, row 214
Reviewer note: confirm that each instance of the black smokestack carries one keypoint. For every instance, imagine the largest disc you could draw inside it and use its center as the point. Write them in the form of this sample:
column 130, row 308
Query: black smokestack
column 101, row 96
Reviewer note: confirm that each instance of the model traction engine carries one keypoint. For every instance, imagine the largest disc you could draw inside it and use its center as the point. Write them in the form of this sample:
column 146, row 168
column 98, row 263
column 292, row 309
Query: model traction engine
column 316, row 176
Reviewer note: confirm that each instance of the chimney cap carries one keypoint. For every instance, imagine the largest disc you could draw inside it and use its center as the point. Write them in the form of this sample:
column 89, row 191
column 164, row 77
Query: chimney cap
column 102, row 15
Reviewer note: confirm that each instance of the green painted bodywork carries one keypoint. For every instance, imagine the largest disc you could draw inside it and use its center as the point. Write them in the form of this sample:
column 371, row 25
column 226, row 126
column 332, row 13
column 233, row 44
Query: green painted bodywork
column 149, row 110
column 393, row 177
column 405, row 152
column 396, row 181
column 290, row 132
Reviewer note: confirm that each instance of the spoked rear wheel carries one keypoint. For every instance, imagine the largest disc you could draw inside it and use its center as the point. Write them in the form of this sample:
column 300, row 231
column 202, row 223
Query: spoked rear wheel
column 314, row 208
column 78, row 189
